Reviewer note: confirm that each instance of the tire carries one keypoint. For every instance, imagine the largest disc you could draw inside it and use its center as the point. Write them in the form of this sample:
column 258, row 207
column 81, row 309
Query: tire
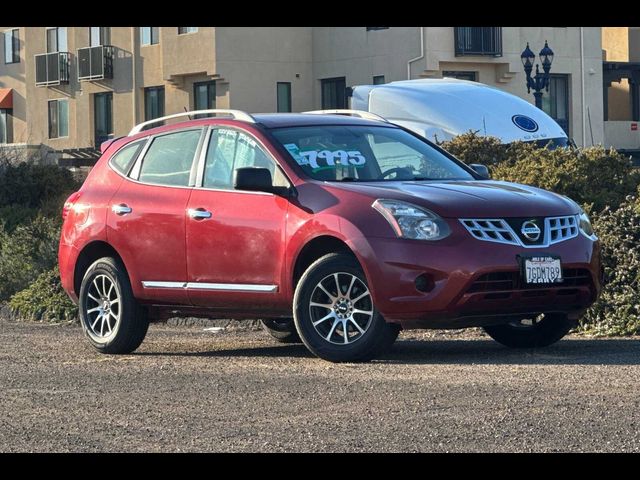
column 368, row 334
column 538, row 334
column 120, row 325
column 282, row 329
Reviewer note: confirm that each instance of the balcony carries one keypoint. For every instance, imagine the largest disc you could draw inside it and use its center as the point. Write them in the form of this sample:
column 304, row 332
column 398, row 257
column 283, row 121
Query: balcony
column 95, row 63
column 52, row 69
column 485, row 41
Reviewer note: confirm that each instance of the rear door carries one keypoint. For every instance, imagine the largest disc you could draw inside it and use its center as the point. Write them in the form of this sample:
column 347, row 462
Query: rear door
column 235, row 239
column 146, row 222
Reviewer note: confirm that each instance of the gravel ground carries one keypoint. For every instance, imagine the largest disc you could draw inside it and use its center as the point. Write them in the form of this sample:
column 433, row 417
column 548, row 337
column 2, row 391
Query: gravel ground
column 187, row 389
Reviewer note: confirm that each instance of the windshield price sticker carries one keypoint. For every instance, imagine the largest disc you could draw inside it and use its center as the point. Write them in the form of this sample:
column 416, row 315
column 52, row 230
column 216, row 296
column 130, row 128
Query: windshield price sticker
column 326, row 159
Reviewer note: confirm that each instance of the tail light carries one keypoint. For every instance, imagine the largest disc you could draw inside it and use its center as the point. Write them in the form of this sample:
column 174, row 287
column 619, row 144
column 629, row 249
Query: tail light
column 68, row 204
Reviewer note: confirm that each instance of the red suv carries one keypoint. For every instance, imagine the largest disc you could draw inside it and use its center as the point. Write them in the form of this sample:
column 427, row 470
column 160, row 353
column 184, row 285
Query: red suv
column 351, row 225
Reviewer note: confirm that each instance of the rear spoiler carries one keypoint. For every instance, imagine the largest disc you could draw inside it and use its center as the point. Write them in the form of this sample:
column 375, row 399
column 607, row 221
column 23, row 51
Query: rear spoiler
column 105, row 145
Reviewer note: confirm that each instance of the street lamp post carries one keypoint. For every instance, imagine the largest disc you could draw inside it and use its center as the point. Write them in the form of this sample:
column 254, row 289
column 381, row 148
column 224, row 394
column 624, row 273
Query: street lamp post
column 540, row 81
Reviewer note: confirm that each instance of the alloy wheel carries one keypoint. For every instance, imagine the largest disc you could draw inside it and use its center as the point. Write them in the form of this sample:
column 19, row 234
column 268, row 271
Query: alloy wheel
column 341, row 308
column 102, row 307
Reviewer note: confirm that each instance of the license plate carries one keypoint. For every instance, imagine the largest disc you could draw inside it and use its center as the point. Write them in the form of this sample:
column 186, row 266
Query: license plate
column 541, row 269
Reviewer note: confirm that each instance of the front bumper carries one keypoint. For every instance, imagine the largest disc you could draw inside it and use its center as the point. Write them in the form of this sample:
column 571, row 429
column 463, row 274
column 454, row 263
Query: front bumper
column 455, row 269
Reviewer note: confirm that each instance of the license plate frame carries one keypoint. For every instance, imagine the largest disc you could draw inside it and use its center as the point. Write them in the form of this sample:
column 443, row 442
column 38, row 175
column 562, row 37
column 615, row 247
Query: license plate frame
column 535, row 278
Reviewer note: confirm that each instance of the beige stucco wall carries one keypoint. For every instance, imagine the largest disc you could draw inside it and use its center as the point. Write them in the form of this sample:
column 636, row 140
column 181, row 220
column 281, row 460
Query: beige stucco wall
column 252, row 60
column 615, row 44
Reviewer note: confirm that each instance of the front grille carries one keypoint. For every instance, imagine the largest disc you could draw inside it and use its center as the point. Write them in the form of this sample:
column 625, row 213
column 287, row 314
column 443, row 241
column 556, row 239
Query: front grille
column 561, row 228
column 506, row 281
column 553, row 230
column 491, row 230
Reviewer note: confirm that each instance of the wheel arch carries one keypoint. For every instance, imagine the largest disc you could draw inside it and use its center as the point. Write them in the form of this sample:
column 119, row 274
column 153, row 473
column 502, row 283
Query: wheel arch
column 89, row 254
column 316, row 248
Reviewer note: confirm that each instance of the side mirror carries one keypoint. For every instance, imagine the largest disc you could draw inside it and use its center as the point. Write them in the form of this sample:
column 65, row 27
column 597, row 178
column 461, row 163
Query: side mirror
column 481, row 170
column 253, row 179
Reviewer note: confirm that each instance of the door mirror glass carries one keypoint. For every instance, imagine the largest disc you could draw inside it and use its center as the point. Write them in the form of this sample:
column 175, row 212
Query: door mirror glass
column 481, row 170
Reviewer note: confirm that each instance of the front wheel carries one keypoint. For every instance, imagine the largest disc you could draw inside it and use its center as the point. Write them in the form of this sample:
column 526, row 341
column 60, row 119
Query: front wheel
column 540, row 331
column 111, row 318
column 334, row 312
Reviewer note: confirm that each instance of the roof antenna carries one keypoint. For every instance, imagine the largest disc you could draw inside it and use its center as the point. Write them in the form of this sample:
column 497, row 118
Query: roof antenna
column 484, row 124
column 185, row 109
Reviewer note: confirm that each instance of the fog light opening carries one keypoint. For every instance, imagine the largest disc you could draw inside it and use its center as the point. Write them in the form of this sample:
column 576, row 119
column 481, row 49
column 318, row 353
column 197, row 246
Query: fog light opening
column 424, row 283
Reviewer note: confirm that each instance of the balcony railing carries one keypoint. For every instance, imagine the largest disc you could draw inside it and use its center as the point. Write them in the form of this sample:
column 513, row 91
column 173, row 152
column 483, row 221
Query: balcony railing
column 52, row 68
column 478, row 41
column 95, row 63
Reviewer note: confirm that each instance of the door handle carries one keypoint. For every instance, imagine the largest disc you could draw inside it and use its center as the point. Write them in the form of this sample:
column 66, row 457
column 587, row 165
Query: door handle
column 121, row 209
column 199, row 213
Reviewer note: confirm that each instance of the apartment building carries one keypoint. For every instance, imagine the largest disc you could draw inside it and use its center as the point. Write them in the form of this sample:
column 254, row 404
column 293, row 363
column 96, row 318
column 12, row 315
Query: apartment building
column 74, row 87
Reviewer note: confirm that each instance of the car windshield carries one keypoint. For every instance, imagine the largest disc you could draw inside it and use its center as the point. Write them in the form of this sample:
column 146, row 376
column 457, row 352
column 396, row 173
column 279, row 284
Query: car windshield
column 366, row 153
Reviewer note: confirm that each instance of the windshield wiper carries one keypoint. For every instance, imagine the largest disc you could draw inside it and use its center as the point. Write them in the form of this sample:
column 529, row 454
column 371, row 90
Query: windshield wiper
column 348, row 179
column 422, row 178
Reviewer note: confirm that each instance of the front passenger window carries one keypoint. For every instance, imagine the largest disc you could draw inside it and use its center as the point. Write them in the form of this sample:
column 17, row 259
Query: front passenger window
column 169, row 159
column 229, row 150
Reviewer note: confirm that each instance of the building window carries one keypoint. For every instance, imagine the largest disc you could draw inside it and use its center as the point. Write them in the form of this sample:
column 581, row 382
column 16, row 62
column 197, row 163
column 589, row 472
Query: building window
column 57, row 39
column 99, row 36
column 149, row 35
column 5, row 126
column 153, row 102
column 204, row 95
column 334, row 93
column 556, row 102
column 471, row 76
column 283, row 93
column 11, row 46
column 376, row 28
column 102, row 117
column 378, row 79
column 183, row 30
column 58, row 118
column 478, row 41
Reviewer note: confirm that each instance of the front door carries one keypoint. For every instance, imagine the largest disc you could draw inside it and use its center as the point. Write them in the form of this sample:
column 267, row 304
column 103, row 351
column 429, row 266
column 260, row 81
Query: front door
column 102, row 117
column 235, row 239
column 146, row 221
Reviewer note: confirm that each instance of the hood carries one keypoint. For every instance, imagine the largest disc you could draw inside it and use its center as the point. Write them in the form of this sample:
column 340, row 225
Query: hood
column 469, row 198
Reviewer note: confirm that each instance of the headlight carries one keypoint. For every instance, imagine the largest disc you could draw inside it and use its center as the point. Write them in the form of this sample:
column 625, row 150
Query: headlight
column 585, row 223
column 411, row 221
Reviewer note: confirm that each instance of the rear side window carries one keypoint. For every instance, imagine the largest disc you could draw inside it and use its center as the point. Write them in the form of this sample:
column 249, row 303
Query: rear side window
column 229, row 150
column 125, row 157
column 169, row 159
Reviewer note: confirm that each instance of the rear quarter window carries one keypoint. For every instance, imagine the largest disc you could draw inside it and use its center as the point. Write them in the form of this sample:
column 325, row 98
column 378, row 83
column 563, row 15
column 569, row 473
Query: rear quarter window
column 124, row 158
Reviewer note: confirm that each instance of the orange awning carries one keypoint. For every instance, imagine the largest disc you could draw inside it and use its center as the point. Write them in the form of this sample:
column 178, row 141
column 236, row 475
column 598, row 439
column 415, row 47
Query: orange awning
column 6, row 97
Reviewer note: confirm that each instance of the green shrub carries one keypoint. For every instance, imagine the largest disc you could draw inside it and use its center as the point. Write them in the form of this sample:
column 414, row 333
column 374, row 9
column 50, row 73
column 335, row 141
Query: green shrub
column 617, row 312
column 26, row 252
column 592, row 175
column 44, row 300
column 13, row 215
column 472, row 148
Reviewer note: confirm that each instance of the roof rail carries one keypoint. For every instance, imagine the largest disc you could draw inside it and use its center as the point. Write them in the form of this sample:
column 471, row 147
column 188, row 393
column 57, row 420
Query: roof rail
column 346, row 111
column 235, row 114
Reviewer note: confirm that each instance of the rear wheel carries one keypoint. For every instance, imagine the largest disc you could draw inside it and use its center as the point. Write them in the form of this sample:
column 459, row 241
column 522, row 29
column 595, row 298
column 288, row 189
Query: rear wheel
column 282, row 329
column 111, row 318
column 535, row 332
column 335, row 315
